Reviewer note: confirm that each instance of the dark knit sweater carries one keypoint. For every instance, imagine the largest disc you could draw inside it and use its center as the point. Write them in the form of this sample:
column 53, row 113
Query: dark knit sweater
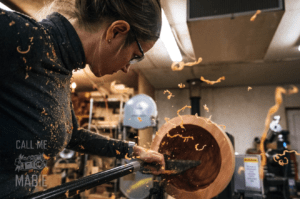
column 36, row 64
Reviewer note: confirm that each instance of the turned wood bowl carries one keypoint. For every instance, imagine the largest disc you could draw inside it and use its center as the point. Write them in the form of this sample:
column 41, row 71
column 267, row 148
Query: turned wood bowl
column 200, row 139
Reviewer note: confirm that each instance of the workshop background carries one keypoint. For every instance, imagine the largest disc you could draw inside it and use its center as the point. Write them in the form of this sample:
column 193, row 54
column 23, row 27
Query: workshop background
column 254, row 56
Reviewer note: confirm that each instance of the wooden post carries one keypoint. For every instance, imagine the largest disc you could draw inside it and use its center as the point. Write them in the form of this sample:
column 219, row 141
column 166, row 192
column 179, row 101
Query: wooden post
column 144, row 87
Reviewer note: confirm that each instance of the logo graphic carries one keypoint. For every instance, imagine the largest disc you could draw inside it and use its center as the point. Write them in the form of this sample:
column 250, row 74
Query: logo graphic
column 36, row 162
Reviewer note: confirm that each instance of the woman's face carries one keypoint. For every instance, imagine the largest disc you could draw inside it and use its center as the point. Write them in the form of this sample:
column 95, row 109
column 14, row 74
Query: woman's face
column 111, row 55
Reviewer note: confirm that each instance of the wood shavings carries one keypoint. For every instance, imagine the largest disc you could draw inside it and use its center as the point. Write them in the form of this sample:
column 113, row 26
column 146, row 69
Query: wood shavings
column 46, row 157
column 196, row 147
column 223, row 126
column 212, row 82
column 170, row 94
column 208, row 120
column 168, row 121
column 118, row 88
column 197, row 115
column 81, row 147
column 185, row 139
column 249, row 88
column 45, row 171
column 23, row 52
column 113, row 196
column 255, row 15
column 67, row 193
column 118, row 152
column 181, row 85
column 280, row 162
column 27, row 69
column 182, row 64
column 12, row 23
column 31, row 39
column 126, row 157
column 24, row 59
column 140, row 119
column 27, row 24
column 206, row 108
column 278, row 100
column 181, row 124
column 77, row 191
column 44, row 112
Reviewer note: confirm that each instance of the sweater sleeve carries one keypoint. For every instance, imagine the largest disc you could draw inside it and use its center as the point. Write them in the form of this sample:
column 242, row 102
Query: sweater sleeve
column 85, row 141
column 9, row 41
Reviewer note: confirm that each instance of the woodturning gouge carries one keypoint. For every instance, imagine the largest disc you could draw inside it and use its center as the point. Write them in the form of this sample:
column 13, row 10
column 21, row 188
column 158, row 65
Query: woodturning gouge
column 173, row 167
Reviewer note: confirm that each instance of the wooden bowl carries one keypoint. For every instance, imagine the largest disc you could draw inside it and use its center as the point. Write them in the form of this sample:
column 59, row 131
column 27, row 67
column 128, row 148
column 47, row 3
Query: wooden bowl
column 199, row 140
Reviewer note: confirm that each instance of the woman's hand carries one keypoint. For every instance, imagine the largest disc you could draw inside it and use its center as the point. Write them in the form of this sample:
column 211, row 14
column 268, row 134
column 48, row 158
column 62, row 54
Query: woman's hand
column 149, row 156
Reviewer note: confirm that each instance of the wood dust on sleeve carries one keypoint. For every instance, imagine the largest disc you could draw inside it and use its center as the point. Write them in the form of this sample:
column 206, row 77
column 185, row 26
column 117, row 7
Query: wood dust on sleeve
column 278, row 100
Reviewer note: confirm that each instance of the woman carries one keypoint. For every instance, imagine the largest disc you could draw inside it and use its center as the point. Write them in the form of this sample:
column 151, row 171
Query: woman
column 37, row 59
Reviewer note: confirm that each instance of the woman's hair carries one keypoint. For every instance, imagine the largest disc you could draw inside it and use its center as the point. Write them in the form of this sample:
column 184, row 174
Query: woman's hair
column 143, row 16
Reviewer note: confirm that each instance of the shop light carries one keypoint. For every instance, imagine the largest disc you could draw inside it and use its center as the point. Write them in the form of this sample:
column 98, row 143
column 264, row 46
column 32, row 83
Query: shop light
column 4, row 7
column 168, row 39
column 299, row 48
column 73, row 87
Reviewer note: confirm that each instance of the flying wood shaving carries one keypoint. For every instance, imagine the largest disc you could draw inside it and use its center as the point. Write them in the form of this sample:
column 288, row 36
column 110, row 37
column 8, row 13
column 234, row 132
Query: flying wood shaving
column 118, row 152
column 197, row 115
column 196, row 147
column 23, row 52
column 276, row 157
column 212, row 82
column 255, row 15
column 278, row 100
column 182, row 64
column 249, row 88
column 185, row 139
column 223, row 126
column 170, row 94
column 168, row 121
column 206, row 108
column 126, row 157
column 140, row 119
column 208, row 120
column 181, row 85
column 186, row 106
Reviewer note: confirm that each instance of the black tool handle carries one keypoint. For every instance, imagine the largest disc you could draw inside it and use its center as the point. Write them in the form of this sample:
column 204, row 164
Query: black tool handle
column 87, row 182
